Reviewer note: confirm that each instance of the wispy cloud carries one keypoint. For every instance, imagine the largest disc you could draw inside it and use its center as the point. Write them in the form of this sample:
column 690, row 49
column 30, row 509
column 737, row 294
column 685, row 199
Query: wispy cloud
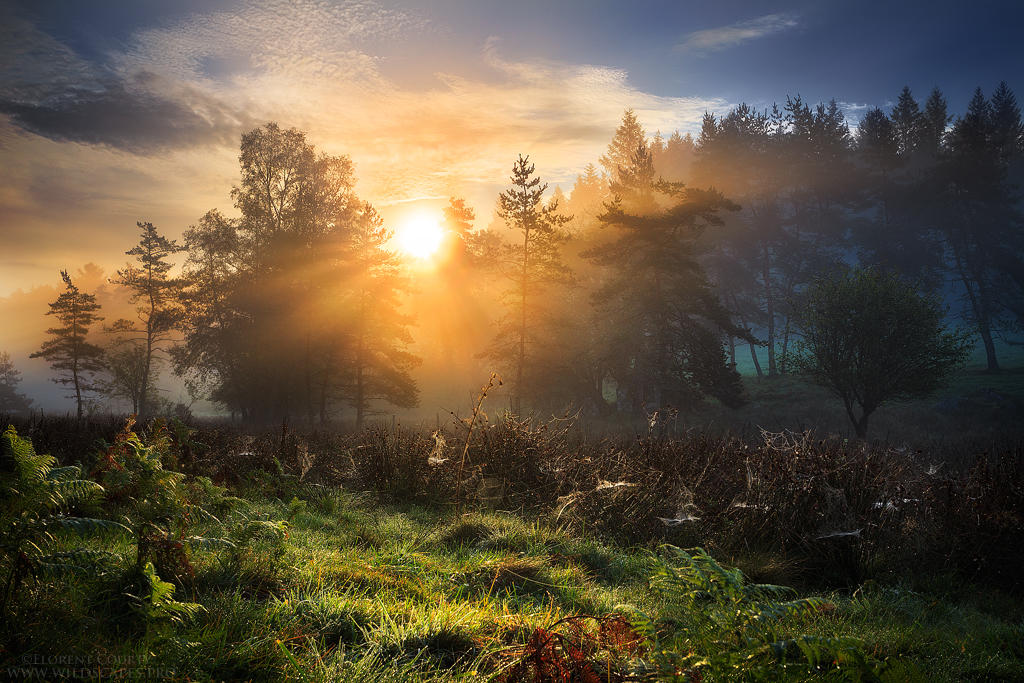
column 722, row 37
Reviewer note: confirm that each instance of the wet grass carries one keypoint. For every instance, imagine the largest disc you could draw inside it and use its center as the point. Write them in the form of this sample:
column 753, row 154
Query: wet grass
column 369, row 592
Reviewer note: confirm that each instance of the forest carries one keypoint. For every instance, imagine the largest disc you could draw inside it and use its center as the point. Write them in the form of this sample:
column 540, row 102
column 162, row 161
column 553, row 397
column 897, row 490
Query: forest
column 666, row 267
column 738, row 404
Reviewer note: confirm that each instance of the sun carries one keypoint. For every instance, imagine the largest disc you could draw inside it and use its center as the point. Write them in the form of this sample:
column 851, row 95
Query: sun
column 420, row 236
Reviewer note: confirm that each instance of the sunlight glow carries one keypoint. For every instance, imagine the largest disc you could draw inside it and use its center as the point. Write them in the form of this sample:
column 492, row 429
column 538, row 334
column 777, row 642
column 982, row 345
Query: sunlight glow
column 420, row 236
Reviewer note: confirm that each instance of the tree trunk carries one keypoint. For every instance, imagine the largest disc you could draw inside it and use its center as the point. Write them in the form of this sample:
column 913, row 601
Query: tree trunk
column 862, row 426
column 981, row 315
column 74, row 362
column 990, row 348
column 785, row 345
column 360, row 412
column 757, row 363
column 308, row 361
column 770, row 310
column 518, row 407
column 143, row 408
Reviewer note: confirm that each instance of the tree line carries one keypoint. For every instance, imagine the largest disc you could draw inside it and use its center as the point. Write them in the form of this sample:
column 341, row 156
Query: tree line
column 635, row 291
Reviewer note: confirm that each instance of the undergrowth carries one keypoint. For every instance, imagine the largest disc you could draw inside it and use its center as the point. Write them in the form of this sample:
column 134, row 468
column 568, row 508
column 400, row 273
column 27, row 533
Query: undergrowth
column 287, row 575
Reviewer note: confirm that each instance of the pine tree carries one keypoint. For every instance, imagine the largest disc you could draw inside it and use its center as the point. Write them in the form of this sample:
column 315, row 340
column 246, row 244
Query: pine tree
column 628, row 137
column 586, row 201
column 1007, row 129
column 878, row 148
column 11, row 400
column 380, row 366
column 674, row 160
column 664, row 341
column 933, row 123
column 533, row 263
column 67, row 351
column 906, row 122
column 981, row 221
column 158, row 307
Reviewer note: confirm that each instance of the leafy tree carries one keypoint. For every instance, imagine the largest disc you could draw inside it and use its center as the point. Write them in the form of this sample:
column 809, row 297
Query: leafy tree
column 125, row 375
column 211, row 273
column 264, row 325
column 870, row 337
column 533, row 263
column 11, row 400
column 67, row 351
column 159, row 312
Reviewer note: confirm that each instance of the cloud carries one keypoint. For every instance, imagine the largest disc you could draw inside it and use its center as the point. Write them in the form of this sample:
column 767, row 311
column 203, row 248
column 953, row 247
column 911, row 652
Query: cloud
column 186, row 89
column 855, row 111
column 722, row 37
column 129, row 115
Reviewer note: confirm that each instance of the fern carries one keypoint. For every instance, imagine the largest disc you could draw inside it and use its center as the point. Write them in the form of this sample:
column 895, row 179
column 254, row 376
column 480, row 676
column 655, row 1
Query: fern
column 713, row 620
column 35, row 497
column 155, row 601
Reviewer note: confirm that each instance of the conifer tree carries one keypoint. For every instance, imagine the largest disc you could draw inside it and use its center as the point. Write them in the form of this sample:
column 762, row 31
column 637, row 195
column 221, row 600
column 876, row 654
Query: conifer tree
column 533, row 262
column 380, row 365
column 906, row 123
column 11, row 400
column 158, row 308
column 68, row 351
column 981, row 221
column 933, row 123
column 628, row 136
column 1007, row 129
column 664, row 341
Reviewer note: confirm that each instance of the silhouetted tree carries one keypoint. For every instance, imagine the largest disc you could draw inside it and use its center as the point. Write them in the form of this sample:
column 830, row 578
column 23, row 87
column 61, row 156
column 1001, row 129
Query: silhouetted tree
column 11, row 400
column 933, row 124
column 981, row 219
column 870, row 338
column 258, row 287
column 663, row 345
column 158, row 308
column 532, row 264
column 67, row 351
column 125, row 374
column 628, row 136
column 380, row 365
column 906, row 123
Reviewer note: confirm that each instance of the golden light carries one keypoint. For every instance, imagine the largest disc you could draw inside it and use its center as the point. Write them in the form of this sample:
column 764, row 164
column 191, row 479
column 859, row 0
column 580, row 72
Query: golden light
column 420, row 235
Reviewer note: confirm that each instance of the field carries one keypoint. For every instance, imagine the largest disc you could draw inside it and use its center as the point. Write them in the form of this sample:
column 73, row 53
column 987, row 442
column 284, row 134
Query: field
column 327, row 557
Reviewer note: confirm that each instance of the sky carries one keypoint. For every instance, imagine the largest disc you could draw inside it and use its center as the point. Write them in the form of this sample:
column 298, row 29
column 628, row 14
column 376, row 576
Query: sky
column 119, row 111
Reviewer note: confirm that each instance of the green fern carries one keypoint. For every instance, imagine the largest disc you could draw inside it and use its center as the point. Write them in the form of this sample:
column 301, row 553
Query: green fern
column 155, row 601
column 35, row 497
column 713, row 621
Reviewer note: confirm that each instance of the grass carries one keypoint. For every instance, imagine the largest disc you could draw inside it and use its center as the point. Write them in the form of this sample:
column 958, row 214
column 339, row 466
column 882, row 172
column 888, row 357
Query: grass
column 974, row 406
column 370, row 592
